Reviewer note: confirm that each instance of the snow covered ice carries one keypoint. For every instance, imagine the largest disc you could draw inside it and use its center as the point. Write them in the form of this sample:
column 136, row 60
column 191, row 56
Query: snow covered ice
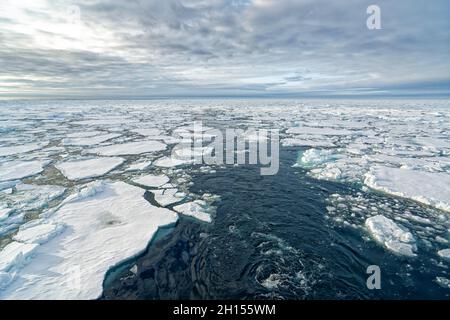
column 392, row 236
column 100, row 230
column 88, row 168
column 426, row 187
column 60, row 235
column 152, row 180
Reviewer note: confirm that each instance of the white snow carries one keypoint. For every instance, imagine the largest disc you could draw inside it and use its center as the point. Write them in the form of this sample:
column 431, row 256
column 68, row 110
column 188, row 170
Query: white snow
column 88, row 168
column 153, row 181
column 129, row 148
column 102, row 229
column 426, row 187
column 37, row 233
column 196, row 209
column 20, row 169
column 395, row 238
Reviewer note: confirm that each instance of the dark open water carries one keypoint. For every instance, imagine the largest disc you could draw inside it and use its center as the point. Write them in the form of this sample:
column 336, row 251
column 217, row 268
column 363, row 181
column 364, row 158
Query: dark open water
column 270, row 239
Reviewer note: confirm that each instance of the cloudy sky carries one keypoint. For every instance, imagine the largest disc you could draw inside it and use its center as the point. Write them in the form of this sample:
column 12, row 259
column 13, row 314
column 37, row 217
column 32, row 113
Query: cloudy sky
column 155, row 48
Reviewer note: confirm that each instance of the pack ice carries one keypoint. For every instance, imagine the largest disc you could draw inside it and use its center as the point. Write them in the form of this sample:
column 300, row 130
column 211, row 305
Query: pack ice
column 66, row 254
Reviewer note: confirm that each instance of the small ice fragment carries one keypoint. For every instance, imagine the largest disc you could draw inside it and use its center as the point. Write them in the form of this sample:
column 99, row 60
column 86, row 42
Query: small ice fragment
column 153, row 181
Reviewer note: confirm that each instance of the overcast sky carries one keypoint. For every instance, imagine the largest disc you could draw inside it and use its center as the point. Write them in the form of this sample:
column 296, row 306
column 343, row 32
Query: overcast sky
column 136, row 49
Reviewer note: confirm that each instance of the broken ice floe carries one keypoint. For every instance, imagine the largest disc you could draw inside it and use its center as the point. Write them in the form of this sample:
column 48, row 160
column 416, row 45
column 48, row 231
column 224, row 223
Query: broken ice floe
column 426, row 187
column 62, row 265
column 21, row 169
column 395, row 238
column 88, row 168
column 198, row 209
column 90, row 140
column 129, row 148
column 152, row 181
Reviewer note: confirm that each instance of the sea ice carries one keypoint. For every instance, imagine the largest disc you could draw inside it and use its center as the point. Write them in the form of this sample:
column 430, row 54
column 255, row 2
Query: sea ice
column 130, row 148
column 88, row 168
column 395, row 238
column 426, row 187
column 169, row 162
column 444, row 253
column 37, row 233
column 12, row 150
column 103, row 228
column 88, row 141
column 166, row 197
column 320, row 131
column 148, row 132
column 137, row 166
column 196, row 209
column 15, row 254
column 13, row 170
column 152, row 181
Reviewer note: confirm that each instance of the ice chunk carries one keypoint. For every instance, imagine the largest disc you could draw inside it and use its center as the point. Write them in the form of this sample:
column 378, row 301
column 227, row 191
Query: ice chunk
column 101, row 231
column 8, row 184
column 147, row 131
column 196, row 209
column 4, row 213
column 12, row 150
column 15, row 255
column 89, row 190
column 87, row 141
column 84, row 134
column 88, row 168
column 152, row 180
column 169, row 162
column 320, row 131
column 444, row 253
column 37, row 233
column 13, row 170
column 313, row 157
column 139, row 166
column 33, row 196
column 166, row 197
column 130, row 148
column 395, row 238
column 443, row 282
column 426, row 187
column 295, row 142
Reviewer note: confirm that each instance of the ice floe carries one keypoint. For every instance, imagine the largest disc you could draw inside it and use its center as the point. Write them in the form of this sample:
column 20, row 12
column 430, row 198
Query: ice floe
column 444, row 253
column 130, row 148
column 102, row 228
column 20, row 169
column 153, row 181
column 169, row 162
column 165, row 197
column 429, row 188
column 88, row 168
column 12, row 150
column 395, row 238
column 90, row 140
column 197, row 209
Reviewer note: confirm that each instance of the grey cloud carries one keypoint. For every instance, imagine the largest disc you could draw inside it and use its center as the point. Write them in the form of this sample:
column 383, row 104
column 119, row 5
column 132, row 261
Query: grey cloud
column 218, row 47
